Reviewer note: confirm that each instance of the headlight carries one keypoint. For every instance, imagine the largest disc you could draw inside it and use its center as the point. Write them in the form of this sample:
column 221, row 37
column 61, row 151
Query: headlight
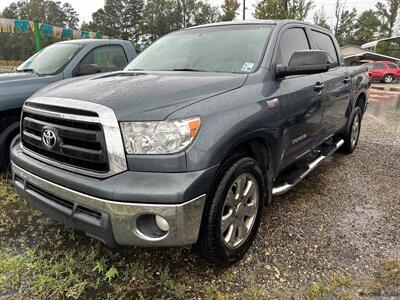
column 164, row 137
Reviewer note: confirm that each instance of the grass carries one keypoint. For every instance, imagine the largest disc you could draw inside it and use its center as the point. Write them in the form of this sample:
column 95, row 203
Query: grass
column 42, row 259
column 46, row 276
column 335, row 287
column 384, row 283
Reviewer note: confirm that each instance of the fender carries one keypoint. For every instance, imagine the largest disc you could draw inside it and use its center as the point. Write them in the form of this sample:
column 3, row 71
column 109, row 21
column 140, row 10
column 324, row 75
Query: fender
column 270, row 138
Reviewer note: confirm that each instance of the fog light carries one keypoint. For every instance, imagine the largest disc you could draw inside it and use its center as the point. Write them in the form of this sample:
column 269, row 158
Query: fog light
column 152, row 227
column 162, row 223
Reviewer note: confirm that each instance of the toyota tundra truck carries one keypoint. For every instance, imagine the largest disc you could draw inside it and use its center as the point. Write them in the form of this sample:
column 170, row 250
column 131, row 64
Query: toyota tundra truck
column 189, row 143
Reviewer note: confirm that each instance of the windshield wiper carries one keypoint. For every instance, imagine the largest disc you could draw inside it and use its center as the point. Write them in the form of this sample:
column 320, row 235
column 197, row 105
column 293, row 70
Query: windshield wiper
column 135, row 69
column 189, row 70
column 28, row 71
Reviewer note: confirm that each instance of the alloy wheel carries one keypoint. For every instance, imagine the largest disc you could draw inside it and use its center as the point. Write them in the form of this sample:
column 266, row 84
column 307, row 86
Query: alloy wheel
column 240, row 210
column 355, row 130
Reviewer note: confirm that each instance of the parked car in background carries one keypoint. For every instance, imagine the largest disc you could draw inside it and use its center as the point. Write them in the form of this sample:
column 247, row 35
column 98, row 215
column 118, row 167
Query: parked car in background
column 385, row 71
column 56, row 62
column 192, row 139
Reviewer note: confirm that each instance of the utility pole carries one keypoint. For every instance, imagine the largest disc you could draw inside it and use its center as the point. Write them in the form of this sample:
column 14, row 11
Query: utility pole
column 244, row 10
column 184, row 13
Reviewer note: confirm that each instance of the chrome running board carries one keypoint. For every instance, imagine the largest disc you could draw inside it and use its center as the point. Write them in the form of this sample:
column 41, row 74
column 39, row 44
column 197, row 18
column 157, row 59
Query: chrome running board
column 286, row 187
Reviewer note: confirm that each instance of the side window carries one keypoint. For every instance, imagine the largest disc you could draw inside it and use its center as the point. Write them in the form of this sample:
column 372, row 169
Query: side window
column 117, row 58
column 324, row 42
column 392, row 66
column 292, row 40
column 379, row 66
column 99, row 57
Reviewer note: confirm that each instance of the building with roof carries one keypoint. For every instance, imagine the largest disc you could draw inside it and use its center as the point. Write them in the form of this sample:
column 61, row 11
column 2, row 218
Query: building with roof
column 373, row 51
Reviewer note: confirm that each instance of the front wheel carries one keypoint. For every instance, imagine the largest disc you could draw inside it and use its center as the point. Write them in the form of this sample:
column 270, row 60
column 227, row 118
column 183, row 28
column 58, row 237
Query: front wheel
column 233, row 213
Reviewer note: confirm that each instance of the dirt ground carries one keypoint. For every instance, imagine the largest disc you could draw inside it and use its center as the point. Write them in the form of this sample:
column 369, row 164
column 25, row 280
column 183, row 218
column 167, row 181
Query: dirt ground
column 336, row 235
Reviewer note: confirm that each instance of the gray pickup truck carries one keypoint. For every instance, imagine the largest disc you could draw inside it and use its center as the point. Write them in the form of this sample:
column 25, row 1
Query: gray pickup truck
column 54, row 63
column 192, row 139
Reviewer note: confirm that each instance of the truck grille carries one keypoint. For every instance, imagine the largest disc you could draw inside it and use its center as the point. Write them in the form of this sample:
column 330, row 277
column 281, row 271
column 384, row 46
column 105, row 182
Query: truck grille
column 78, row 144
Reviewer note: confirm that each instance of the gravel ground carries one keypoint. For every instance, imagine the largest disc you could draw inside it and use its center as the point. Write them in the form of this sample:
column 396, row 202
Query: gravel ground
column 336, row 235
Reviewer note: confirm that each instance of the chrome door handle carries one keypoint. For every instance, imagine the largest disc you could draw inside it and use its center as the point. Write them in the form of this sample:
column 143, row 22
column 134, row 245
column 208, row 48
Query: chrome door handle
column 319, row 87
column 346, row 80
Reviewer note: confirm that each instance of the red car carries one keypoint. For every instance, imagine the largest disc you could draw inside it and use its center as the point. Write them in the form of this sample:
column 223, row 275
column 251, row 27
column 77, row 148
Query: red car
column 385, row 71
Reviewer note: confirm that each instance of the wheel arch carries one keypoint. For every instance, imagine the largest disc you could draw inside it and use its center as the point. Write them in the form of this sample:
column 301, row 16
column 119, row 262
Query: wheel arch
column 361, row 101
column 261, row 147
column 9, row 128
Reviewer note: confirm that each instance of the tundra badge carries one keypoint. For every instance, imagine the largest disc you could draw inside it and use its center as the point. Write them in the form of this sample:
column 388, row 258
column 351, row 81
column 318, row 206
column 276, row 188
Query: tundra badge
column 272, row 103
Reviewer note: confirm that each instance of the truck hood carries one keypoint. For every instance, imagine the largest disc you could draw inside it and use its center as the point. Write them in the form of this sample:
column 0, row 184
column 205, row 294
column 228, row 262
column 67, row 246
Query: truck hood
column 136, row 96
column 7, row 77
column 15, row 88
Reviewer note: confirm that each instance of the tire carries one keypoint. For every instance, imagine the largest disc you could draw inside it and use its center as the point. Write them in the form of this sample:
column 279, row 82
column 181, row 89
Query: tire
column 388, row 78
column 353, row 132
column 5, row 142
column 5, row 157
column 242, row 214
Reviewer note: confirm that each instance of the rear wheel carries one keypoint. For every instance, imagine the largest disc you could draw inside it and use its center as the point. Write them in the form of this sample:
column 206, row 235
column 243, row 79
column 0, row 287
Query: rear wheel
column 388, row 78
column 233, row 213
column 353, row 132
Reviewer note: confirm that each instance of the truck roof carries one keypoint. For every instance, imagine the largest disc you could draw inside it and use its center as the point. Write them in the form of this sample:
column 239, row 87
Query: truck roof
column 257, row 21
column 93, row 41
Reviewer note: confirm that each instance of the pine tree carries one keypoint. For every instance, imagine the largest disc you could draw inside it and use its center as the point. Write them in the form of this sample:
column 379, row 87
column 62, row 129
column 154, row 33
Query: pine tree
column 388, row 12
column 283, row 9
column 229, row 10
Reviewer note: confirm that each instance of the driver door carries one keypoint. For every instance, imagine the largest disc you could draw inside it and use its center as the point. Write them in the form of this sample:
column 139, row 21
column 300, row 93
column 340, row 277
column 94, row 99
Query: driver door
column 300, row 99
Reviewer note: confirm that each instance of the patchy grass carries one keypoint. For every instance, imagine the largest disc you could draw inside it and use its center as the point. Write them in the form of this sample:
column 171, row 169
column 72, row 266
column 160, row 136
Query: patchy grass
column 336, row 287
column 41, row 274
column 254, row 292
column 386, row 281
column 42, row 259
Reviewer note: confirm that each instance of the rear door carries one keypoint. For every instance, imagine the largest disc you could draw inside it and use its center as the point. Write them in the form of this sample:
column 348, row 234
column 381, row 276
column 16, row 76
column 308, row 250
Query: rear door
column 377, row 71
column 337, row 87
column 299, row 97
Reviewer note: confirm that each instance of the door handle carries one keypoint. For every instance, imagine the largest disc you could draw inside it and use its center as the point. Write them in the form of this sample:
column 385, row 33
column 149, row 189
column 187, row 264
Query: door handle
column 346, row 80
column 318, row 87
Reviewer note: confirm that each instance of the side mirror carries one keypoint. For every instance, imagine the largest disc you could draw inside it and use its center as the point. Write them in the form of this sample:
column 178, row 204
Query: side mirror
column 87, row 69
column 305, row 62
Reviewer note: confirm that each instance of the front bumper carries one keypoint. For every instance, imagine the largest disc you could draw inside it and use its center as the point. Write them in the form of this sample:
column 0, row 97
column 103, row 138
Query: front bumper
column 110, row 221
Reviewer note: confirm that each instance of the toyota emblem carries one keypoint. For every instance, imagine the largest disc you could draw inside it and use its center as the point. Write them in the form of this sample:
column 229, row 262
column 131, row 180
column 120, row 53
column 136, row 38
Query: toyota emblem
column 49, row 138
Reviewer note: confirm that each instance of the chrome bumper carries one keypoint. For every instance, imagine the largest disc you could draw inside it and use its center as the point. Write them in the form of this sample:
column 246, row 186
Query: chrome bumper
column 75, row 208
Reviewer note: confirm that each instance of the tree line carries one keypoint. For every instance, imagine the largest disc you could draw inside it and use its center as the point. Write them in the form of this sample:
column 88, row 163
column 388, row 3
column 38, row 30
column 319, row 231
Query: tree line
column 146, row 20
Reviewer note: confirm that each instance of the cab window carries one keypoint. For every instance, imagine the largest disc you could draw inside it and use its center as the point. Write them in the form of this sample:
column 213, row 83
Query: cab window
column 106, row 58
column 292, row 40
column 324, row 42
column 98, row 57
column 117, row 58
column 379, row 66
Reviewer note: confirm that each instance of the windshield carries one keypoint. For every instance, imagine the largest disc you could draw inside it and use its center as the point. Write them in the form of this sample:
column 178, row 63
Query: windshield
column 50, row 60
column 233, row 49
